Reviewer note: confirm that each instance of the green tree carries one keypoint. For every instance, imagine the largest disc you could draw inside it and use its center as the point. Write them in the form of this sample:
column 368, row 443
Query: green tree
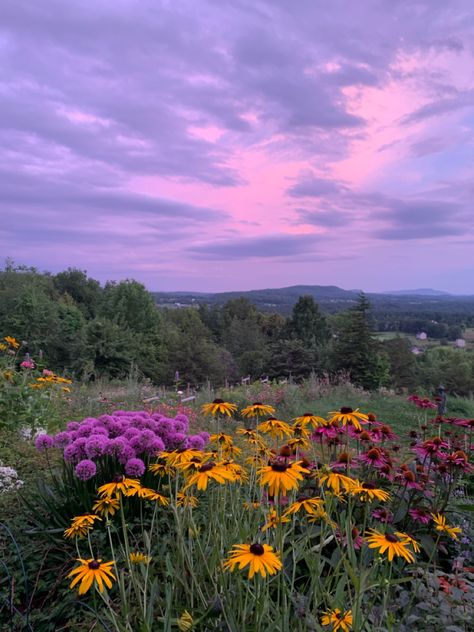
column 85, row 292
column 130, row 305
column 307, row 323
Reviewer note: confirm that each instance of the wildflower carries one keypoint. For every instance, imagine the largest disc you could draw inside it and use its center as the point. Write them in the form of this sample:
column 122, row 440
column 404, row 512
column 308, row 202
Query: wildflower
column 308, row 419
column 420, row 515
column 147, row 494
column 221, row 438
column 80, row 526
column 161, row 469
column 260, row 558
column 338, row 619
column 185, row 622
column 373, row 458
column 106, row 506
column 368, row 491
column 231, row 450
column 207, row 472
column 176, row 457
column 185, row 500
column 408, row 478
column 239, row 472
column 248, row 433
column 353, row 537
column 256, row 409
column 135, row 467
column 2, row 346
column 309, row 505
column 28, row 364
column 394, row 544
column 120, row 485
column 336, row 481
column 442, row 527
column 347, row 415
column 139, row 558
column 13, row 342
column 273, row 520
column 275, row 428
column 85, row 469
column 90, row 572
column 44, row 442
column 299, row 442
column 383, row 515
column 281, row 477
column 219, row 407
column 251, row 505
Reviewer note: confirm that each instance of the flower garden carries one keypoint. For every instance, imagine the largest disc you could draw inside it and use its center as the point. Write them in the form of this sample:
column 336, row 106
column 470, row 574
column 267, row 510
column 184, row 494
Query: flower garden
column 230, row 517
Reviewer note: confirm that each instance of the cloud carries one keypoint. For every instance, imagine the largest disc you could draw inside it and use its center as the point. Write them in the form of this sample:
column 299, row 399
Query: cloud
column 313, row 186
column 257, row 247
column 439, row 107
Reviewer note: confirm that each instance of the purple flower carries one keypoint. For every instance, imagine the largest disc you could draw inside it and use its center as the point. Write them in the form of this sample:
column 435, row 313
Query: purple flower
column 44, row 442
column 195, row 442
column 86, row 469
column 175, row 440
column 205, row 435
column 73, row 425
column 131, row 432
column 134, row 467
column 85, row 430
column 75, row 450
column 95, row 445
column 62, row 439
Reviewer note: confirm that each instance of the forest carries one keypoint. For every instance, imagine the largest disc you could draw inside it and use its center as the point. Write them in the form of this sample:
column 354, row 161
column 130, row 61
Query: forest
column 84, row 330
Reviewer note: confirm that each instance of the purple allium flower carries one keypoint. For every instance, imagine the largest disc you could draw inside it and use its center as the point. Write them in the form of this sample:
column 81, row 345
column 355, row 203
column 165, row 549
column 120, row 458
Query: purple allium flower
column 195, row 442
column 75, row 451
column 175, row 440
column 115, row 428
column 131, row 432
column 86, row 469
column 134, row 467
column 62, row 439
column 85, row 430
column 44, row 442
column 73, row 425
column 156, row 446
column 204, row 435
column 95, row 445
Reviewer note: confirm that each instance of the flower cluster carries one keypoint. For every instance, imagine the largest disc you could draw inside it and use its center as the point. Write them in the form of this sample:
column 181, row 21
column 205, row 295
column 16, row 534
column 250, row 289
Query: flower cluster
column 9, row 480
column 131, row 438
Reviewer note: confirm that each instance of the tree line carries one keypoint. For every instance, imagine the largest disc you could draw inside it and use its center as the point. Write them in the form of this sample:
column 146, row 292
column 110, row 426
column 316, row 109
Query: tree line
column 91, row 331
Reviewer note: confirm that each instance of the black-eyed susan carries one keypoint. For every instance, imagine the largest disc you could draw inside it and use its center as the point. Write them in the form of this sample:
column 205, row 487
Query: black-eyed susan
column 275, row 428
column 13, row 342
column 257, row 409
column 106, row 506
column 247, row 432
column 161, row 468
column 309, row 419
column 443, row 527
column 120, row 485
column 309, row 505
column 281, row 477
column 81, row 525
column 251, row 505
column 185, row 622
column 338, row 619
column 148, row 494
column 335, row 481
column 348, row 416
column 186, row 500
column 273, row 519
column 240, row 473
column 395, row 544
column 231, row 451
column 210, row 472
column 219, row 407
column 91, row 572
column 368, row 492
column 221, row 439
column 260, row 558
column 300, row 443
column 139, row 558
column 180, row 456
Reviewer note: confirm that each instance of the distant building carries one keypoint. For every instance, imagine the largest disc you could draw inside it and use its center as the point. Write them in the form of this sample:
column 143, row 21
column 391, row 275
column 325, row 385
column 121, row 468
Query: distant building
column 416, row 350
column 422, row 335
column 461, row 343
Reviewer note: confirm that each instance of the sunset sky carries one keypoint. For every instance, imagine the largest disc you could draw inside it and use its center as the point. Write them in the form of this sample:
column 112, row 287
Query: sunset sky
column 238, row 144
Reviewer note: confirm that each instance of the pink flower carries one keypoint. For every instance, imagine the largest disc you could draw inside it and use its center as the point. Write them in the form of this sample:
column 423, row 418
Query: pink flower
column 47, row 373
column 420, row 515
column 28, row 364
column 373, row 458
column 383, row 515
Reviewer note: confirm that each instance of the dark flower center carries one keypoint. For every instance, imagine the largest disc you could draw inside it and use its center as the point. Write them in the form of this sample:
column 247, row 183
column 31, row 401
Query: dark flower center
column 279, row 467
column 373, row 453
column 364, row 436
column 385, row 430
column 218, row 401
column 371, row 417
column 118, row 478
column 391, row 538
column 345, row 410
column 272, row 419
column 409, row 476
column 307, row 414
column 94, row 565
column 257, row 549
column 207, row 466
column 344, row 458
column 257, row 404
column 354, row 532
column 368, row 485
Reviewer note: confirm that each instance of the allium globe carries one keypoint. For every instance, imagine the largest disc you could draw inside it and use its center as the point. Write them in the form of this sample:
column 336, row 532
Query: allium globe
column 44, row 442
column 134, row 467
column 85, row 469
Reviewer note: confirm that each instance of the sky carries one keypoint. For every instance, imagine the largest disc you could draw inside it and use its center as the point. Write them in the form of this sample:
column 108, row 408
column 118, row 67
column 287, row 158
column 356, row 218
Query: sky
column 219, row 145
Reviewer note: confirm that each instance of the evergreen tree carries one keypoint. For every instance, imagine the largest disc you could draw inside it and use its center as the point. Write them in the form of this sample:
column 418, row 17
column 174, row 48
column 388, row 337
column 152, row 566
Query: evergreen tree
column 307, row 323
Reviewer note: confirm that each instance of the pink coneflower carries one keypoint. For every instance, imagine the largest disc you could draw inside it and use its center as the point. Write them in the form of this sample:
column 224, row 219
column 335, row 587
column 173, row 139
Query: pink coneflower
column 28, row 364
column 324, row 432
column 458, row 460
column 413, row 398
column 408, row 478
column 383, row 515
column 387, row 433
column 425, row 403
column 430, row 448
column 354, row 536
column 420, row 515
column 373, row 458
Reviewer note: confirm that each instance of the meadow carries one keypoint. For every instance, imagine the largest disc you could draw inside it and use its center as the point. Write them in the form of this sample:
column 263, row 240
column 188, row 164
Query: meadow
column 310, row 506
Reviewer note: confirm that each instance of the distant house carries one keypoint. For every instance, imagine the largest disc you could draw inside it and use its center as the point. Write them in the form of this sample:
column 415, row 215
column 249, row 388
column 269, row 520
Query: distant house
column 422, row 335
column 416, row 350
column 460, row 342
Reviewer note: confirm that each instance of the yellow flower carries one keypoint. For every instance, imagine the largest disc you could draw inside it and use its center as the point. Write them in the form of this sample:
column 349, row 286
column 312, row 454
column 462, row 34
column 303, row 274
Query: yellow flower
column 120, row 485
column 207, row 472
column 275, row 428
column 148, row 494
column 13, row 342
column 442, row 527
column 312, row 506
column 394, row 544
column 185, row 500
column 2, row 346
column 338, row 619
column 8, row 375
column 336, row 481
column 185, row 622
column 182, row 455
column 248, row 433
column 219, row 407
column 80, row 526
column 161, row 468
column 251, row 505
column 106, row 506
column 256, row 409
column 239, row 472
column 299, row 442
column 308, row 419
column 368, row 491
column 92, row 571
column 139, row 558
column 222, row 439
column 273, row 520
column 281, row 477
column 260, row 558
column 231, row 450
column 348, row 416
column 414, row 544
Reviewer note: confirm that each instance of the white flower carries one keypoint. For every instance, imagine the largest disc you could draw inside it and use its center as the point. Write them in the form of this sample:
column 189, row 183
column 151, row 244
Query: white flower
column 9, row 480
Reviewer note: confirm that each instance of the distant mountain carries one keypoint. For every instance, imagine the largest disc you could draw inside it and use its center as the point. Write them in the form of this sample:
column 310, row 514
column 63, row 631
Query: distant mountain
column 419, row 292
